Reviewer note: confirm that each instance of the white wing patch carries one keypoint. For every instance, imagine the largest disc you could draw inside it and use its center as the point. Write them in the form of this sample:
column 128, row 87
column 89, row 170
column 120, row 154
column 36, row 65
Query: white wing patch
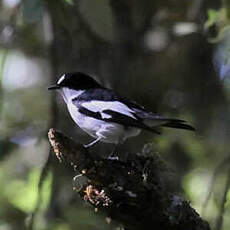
column 105, row 116
column 61, row 79
column 116, row 106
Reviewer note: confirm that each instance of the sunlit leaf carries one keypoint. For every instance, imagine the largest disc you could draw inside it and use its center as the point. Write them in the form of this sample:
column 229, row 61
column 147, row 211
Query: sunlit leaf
column 46, row 192
column 213, row 17
column 24, row 194
column 228, row 198
column 195, row 184
column 220, row 19
column 70, row 2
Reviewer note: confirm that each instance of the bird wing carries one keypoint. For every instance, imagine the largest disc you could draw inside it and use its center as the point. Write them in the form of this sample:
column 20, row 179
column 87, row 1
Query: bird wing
column 114, row 111
column 105, row 105
column 154, row 120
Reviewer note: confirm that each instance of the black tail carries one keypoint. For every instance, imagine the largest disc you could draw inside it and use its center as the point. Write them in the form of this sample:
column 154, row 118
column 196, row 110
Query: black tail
column 178, row 124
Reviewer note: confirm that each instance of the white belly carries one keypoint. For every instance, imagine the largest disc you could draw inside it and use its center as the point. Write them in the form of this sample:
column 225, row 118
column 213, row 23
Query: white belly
column 109, row 132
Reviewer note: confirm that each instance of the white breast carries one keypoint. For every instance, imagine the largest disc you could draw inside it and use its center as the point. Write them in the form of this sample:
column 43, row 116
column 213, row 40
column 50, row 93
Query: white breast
column 69, row 94
column 109, row 132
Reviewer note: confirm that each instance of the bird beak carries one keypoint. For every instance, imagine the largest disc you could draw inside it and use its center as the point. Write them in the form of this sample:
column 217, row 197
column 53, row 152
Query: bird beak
column 53, row 87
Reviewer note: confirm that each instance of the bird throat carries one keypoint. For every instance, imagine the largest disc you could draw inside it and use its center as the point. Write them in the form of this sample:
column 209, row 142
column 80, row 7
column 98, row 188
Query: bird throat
column 69, row 94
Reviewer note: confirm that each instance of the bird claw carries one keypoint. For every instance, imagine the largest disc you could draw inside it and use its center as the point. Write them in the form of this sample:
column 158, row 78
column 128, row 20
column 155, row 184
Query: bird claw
column 87, row 145
column 113, row 158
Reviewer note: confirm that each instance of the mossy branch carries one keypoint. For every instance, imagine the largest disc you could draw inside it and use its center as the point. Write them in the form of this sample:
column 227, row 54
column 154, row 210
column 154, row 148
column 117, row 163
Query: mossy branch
column 131, row 193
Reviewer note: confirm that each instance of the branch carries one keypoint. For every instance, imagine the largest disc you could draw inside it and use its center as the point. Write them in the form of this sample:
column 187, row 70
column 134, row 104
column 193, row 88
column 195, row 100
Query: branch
column 130, row 192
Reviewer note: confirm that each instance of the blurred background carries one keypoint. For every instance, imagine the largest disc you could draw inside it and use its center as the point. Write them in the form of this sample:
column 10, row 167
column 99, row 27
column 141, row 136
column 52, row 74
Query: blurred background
column 172, row 56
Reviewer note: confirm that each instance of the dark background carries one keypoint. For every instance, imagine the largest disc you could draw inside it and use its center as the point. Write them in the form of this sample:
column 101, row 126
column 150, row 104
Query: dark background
column 171, row 56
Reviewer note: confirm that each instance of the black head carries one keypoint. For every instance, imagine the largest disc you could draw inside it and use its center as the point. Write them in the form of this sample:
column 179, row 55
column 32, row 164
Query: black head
column 75, row 80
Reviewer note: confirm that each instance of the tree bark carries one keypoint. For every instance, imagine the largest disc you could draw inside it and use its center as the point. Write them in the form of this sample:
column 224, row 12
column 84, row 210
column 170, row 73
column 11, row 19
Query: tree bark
column 130, row 192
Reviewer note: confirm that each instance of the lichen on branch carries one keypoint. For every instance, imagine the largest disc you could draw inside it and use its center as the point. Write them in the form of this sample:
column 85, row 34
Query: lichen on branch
column 131, row 192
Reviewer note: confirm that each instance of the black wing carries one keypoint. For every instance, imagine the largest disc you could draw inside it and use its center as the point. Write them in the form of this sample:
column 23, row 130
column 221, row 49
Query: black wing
column 154, row 120
column 116, row 117
column 144, row 119
column 98, row 94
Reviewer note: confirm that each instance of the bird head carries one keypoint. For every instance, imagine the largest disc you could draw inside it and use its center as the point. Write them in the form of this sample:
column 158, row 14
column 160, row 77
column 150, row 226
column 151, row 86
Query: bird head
column 75, row 81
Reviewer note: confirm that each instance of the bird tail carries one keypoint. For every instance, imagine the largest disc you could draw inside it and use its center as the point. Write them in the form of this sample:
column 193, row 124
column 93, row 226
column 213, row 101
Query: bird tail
column 178, row 124
column 169, row 123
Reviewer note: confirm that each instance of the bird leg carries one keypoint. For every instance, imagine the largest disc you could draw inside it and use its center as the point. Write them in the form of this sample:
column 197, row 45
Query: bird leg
column 92, row 143
column 113, row 155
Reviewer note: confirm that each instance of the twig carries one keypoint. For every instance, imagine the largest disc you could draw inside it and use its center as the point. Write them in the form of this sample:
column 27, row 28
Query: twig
column 53, row 120
column 218, row 169
column 219, row 221
column 43, row 176
column 2, row 67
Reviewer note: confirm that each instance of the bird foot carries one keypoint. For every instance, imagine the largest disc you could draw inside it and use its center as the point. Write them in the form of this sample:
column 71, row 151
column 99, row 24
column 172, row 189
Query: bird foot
column 87, row 145
column 113, row 158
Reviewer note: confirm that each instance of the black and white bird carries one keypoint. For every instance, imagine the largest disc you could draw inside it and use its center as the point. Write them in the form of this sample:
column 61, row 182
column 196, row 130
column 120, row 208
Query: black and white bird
column 103, row 114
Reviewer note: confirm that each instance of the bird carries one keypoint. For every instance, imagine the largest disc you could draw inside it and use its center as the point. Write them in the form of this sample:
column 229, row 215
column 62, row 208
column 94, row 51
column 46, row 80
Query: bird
column 105, row 115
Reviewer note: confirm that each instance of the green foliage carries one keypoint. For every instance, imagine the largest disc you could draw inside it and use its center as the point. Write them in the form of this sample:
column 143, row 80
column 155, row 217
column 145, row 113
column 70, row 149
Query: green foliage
column 215, row 16
column 70, row 2
column 23, row 194
column 220, row 19
column 136, row 71
column 196, row 185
